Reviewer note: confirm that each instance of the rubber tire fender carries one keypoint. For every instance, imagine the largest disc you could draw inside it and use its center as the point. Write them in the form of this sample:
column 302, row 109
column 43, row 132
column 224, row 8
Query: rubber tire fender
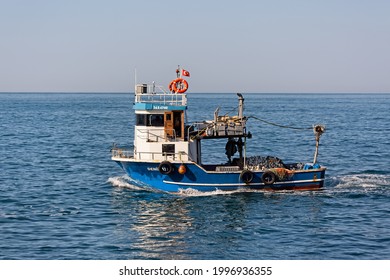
column 268, row 178
column 246, row 176
column 165, row 167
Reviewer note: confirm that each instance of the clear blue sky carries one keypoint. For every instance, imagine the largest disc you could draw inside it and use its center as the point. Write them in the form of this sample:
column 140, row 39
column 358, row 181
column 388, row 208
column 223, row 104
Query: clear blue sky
column 228, row 46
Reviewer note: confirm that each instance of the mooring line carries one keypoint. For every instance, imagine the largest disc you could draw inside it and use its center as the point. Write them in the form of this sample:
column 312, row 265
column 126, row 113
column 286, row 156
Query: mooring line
column 279, row 125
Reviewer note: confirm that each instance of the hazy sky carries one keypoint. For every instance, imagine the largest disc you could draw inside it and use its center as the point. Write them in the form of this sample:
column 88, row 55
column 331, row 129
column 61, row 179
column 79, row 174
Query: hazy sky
column 227, row 46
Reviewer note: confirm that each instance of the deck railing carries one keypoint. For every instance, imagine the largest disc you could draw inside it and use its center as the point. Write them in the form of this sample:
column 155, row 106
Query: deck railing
column 156, row 94
column 213, row 129
column 122, row 153
column 129, row 154
column 151, row 135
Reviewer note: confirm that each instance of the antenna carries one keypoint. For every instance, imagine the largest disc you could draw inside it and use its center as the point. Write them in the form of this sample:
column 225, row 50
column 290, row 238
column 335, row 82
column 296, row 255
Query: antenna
column 178, row 71
column 135, row 81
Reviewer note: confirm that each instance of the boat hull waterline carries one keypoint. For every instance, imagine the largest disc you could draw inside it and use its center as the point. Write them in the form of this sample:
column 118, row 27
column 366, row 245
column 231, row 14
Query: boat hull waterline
column 197, row 178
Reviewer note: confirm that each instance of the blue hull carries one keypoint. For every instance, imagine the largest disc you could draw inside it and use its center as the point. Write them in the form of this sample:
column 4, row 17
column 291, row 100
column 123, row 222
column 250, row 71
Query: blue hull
column 197, row 178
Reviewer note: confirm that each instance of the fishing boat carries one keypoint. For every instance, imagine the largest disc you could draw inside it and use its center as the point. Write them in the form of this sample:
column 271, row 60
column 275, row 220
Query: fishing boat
column 167, row 151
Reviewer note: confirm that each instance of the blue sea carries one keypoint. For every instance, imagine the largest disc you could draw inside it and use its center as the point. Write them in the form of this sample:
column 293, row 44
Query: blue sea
column 61, row 197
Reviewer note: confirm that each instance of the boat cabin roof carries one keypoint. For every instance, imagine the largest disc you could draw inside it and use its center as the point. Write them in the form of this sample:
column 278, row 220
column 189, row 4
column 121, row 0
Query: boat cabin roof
column 152, row 97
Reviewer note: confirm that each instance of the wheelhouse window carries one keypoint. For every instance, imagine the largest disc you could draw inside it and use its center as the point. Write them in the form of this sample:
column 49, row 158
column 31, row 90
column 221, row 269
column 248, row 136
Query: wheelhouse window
column 156, row 120
column 141, row 119
column 150, row 119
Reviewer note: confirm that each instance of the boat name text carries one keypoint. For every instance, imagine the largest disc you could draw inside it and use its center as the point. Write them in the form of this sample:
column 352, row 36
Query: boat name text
column 159, row 107
column 152, row 169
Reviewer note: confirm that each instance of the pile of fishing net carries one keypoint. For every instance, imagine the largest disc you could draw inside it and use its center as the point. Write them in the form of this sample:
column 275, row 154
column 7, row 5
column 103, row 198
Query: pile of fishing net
column 262, row 163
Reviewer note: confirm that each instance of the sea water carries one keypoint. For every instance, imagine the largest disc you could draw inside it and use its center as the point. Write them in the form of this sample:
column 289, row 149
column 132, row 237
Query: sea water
column 61, row 197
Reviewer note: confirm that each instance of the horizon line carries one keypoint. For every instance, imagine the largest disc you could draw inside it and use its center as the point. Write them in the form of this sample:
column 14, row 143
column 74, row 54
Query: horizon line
column 132, row 92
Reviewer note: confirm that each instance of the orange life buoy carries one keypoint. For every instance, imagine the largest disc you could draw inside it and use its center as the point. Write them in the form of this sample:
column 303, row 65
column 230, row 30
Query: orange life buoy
column 178, row 86
column 170, row 85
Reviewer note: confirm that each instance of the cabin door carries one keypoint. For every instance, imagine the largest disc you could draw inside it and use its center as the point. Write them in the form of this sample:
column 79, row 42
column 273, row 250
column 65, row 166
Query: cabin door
column 178, row 123
column 168, row 124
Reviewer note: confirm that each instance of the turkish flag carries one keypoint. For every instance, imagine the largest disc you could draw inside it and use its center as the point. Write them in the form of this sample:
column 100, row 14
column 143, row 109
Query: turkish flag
column 185, row 73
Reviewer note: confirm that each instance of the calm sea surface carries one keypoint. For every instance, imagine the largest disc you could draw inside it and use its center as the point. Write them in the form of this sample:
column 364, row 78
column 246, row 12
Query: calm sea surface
column 61, row 197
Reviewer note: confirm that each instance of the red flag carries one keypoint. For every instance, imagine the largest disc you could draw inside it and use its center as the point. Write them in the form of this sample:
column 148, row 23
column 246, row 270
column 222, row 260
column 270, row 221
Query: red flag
column 185, row 73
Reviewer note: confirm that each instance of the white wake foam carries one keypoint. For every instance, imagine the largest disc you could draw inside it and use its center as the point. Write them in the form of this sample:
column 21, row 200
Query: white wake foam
column 193, row 192
column 363, row 181
column 124, row 182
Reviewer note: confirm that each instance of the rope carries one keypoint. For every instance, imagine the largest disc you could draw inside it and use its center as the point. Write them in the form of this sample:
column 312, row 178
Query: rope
column 279, row 125
column 228, row 112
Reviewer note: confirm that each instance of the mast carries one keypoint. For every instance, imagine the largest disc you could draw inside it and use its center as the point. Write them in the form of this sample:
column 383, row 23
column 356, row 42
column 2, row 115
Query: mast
column 240, row 105
column 318, row 130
